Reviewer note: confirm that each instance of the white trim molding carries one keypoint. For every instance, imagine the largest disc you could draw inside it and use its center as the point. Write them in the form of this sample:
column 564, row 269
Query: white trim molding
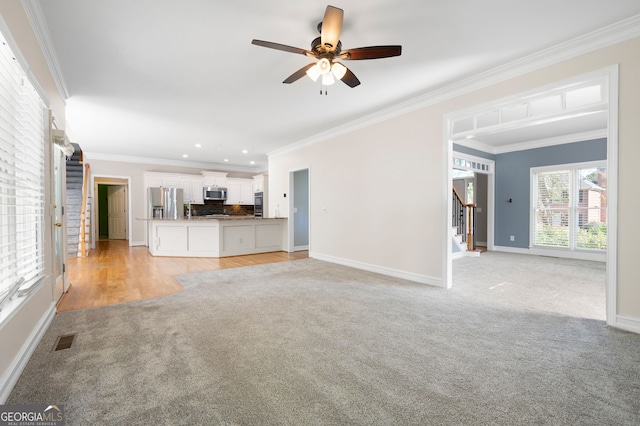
column 409, row 276
column 41, row 31
column 564, row 254
column 627, row 324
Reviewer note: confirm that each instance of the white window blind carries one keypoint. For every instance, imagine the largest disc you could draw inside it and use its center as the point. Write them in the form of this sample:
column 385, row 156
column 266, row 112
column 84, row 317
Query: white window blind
column 22, row 189
column 570, row 207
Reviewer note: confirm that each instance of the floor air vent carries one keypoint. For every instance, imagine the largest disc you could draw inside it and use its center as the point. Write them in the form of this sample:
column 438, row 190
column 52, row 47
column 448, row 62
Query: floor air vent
column 64, row 342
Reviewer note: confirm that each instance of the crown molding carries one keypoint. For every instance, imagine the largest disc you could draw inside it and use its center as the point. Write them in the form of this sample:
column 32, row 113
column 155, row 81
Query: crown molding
column 164, row 162
column 41, row 31
column 4, row 28
column 604, row 37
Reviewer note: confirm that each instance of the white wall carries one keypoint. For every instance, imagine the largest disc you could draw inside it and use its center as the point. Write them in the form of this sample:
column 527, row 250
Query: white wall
column 371, row 196
column 405, row 156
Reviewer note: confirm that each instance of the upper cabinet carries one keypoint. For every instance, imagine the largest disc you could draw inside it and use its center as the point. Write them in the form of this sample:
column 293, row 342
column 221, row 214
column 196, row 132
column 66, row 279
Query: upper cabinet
column 259, row 183
column 192, row 185
column 239, row 191
column 214, row 179
column 169, row 180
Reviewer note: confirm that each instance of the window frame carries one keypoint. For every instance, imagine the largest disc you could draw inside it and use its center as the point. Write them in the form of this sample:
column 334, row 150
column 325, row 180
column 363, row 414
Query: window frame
column 574, row 203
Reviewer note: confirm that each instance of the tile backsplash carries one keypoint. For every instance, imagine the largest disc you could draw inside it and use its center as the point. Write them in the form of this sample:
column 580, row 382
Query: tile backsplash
column 217, row 207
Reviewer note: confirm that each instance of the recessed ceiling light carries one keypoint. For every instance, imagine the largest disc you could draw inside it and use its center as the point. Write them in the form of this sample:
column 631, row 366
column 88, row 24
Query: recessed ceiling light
column 198, row 145
column 226, row 159
column 185, row 156
column 252, row 162
column 244, row 151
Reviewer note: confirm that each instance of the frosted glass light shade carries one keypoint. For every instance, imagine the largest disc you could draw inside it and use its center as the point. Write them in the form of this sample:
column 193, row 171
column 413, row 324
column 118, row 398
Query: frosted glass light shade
column 313, row 72
column 338, row 70
column 327, row 79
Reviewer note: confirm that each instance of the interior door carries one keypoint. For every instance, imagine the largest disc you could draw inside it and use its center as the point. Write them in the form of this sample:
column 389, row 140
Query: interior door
column 59, row 243
column 117, row 210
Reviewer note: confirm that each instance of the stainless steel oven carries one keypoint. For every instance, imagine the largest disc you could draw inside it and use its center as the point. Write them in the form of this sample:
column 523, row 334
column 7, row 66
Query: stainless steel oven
column 258, row 204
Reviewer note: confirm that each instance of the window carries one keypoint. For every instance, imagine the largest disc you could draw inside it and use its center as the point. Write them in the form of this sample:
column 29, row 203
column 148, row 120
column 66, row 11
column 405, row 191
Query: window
column 22, row 190
column 569, row 206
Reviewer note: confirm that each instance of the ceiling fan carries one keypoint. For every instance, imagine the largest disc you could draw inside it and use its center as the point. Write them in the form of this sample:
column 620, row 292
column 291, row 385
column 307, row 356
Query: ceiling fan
column 327, row 49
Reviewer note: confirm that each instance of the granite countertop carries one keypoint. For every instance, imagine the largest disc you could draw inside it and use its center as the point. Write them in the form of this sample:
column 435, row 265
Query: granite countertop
column 218, row 217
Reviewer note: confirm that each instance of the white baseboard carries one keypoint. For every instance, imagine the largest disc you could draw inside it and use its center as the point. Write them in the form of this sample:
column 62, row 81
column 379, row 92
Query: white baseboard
column 301, row 248
column 565, row 254
column 137, row 243
column 458, row 255
column 11, row 376
column 627, row 324
column 409, row 276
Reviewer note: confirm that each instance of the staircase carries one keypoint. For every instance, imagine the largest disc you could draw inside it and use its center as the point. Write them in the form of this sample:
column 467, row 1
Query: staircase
column 73, row 209
column 463, row 228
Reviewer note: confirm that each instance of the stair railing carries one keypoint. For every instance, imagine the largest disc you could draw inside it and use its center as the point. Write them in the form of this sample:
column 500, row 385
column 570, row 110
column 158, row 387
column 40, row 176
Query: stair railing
column 83, row 238
column 464, row 219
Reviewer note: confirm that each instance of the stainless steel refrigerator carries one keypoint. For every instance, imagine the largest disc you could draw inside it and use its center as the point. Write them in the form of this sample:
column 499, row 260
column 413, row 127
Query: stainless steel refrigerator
column 165, row 203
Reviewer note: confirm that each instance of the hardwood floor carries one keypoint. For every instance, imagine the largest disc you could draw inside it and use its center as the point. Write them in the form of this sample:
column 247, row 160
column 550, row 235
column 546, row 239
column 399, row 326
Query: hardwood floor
column 116, row 273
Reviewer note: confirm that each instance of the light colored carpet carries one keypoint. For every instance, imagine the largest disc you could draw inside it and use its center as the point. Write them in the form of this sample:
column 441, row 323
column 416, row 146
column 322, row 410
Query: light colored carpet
column 307, row 342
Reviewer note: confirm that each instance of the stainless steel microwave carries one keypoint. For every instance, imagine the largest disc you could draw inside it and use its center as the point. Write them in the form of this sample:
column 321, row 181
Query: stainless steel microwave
column 214, row 193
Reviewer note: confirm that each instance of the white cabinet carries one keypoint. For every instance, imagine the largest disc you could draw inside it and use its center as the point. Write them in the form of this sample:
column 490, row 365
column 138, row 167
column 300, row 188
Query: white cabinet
column 246, row 193
column 215, row 238
column 192, row 186
column 239, row 191
column 214, row 179
column 259, row 183
column 184, row 238
column 156, row 179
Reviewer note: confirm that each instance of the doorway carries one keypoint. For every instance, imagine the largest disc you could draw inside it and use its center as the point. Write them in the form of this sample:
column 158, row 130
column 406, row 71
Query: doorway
column 111, row 216
column 598, row 93
column 299, row 210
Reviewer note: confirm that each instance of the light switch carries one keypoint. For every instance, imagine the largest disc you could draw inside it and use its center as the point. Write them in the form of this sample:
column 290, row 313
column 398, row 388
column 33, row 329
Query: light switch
column 295, row 210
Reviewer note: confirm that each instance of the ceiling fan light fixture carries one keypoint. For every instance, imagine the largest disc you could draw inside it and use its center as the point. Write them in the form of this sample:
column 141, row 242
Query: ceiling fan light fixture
column 338, row 70
column 313, row 72
column 327, row 79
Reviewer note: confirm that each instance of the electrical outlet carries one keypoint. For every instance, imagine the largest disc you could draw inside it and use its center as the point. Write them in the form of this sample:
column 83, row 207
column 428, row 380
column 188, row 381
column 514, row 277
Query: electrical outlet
column 512, row 238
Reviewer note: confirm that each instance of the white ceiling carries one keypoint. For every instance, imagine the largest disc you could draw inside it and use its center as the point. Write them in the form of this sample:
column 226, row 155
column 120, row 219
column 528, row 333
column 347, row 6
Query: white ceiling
column 151, row 78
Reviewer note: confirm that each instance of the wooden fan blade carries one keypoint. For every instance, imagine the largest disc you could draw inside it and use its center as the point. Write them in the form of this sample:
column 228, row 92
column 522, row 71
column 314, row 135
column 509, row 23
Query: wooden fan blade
column 282, row 47
column 331, row 28
column 350, row 79
column 371, row 52
column 298, row 74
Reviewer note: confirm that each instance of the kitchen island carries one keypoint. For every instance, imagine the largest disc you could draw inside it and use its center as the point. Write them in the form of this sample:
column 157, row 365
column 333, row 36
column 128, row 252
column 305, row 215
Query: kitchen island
column 215, row 236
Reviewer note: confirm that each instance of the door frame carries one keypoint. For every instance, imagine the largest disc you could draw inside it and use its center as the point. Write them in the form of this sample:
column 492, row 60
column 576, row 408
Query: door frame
column 611, row 81
column 489, row 171
column 58, row 183
column 99, row 179
column 291, row 205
